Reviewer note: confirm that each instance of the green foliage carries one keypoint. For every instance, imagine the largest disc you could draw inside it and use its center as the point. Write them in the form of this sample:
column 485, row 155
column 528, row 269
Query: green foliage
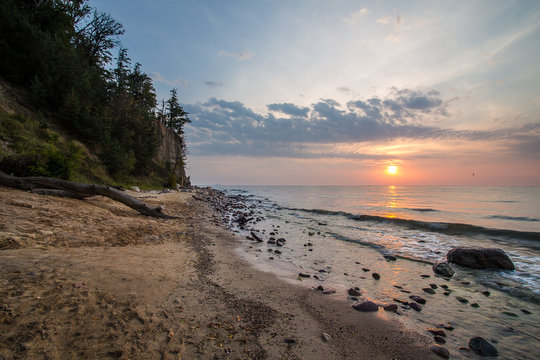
column 171, row 181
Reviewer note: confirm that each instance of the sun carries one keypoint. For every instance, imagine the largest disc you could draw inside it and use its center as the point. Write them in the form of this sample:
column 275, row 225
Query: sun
column 392, row 170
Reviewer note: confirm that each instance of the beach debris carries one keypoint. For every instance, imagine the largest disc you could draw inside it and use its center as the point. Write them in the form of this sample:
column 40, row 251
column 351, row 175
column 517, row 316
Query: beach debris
column 354, row 291
column 443, row 269
column 390, row 307
column 480, row 346
column 325, row 337
column 304, row 275
column 376, row 276
column 366, row 306
column 429, row 290
column 256, row 237
column 480, row 258
column 440, row 351
column 418, row 299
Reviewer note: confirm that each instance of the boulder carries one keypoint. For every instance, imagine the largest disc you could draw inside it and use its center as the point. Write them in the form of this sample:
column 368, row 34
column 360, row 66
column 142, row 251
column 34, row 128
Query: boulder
column 443, row 269
column 440, row 351
column 366, row 306
column 480, row 258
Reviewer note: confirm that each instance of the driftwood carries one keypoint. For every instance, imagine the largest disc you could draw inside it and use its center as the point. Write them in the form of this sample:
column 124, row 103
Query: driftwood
column 58, row 187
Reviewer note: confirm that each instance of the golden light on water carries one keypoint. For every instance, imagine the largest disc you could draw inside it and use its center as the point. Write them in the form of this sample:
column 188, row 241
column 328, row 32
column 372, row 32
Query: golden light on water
column 392, row 169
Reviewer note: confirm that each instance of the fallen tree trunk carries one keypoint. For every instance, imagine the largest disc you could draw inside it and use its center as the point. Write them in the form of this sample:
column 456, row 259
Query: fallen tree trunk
column 58, row 187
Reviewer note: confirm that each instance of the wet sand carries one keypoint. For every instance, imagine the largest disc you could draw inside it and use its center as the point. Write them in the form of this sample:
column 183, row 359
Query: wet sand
column 95, row 279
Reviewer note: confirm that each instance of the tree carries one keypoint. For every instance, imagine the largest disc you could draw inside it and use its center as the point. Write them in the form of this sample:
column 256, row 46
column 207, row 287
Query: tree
column 176, row 117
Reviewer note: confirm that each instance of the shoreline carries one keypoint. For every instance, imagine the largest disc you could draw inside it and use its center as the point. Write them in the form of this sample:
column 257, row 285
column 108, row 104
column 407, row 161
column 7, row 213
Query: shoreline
column 95, row 279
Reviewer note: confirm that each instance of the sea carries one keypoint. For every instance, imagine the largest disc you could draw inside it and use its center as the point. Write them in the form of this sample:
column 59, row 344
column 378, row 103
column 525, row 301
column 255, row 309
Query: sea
column 341, row 234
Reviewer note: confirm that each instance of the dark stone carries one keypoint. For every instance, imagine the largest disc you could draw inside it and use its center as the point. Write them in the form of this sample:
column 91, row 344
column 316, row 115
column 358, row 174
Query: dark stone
column 390, row 257
column 365, row 269
column 329, row 291
column 525, row 311
column 390, row 307
column 448, row 327
column 277, row 251
column 366, row 306
column 279, row 243
column 304, row 275
column 418, row 299
column 256, row 237
column 480, row 258
column 271, row 242
column 439, row 339
column 429, row 290
column 415, row 306
column 401, row 301
column 443, row 269
column 290, row 341
column 320, row 288
column 482, row 347
column 510, row 313
column 354, row 292
column 316, row 277
column 462, row 300
column 446, row 293
column 322, row 271
column 475, row 305
column 433, row 286
column 376, row 276
column 425, row 276
column 444, row 286
column 486, row 293
column 438, row 332
column 440, row 351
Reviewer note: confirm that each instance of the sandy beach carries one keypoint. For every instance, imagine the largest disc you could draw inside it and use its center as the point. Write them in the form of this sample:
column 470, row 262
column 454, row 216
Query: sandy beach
column 95, row 279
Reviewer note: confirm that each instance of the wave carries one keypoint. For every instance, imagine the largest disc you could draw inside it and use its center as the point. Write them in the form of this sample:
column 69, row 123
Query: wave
column 441, row 227
column 423, row 209
column 517, row 218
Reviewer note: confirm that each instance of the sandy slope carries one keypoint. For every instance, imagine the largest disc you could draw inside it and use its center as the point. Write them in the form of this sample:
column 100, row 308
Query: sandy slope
column 94, row 279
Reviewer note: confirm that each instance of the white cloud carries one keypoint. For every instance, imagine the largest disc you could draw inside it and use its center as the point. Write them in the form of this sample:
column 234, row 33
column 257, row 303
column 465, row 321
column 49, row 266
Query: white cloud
column 384, row 20
column 355, row 16
column 244, row 55
column 157, row 77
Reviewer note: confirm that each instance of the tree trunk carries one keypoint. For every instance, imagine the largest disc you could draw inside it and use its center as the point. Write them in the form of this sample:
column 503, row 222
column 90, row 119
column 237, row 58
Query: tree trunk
column 58, row 187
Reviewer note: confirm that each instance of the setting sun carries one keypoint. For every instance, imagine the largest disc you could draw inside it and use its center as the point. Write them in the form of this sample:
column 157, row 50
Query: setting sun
column 392, row 170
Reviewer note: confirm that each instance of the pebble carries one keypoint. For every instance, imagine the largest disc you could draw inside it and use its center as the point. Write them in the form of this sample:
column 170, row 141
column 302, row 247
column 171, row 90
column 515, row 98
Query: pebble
column 475, row 305
column 439, row 339
column 365, row 269
column 425, row 276
column 510, row 314
column 325, row 337
column 440, row 351
column 390, row 307
column 354, row 292
column 429, row 290
column 320, row 288
column 366, row 306
column 446, row 293
column 486, row 293
column 482, row 347
column 277, row 251
column 433, row 286
column 525, row 311
column 444, row 286
column 437, row 332
column 376, row 276
column 418, row 299
column 329, row 291
column 462, row 300
column 415, row 306
column 304, row 275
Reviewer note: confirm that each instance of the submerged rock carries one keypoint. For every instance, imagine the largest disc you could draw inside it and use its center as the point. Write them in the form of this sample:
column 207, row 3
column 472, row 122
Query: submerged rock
column 443, row 269
column 354, row 292
column 366, row 306
column 482, row 347
column 480, row 258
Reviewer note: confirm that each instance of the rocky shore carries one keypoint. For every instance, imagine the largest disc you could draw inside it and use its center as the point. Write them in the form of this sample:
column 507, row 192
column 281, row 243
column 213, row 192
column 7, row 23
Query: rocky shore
column 95, row 279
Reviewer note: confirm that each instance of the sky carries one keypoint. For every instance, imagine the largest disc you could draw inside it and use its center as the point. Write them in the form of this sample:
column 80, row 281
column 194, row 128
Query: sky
column 313, row 92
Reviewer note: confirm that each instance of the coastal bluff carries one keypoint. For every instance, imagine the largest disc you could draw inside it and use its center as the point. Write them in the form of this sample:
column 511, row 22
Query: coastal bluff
column 170, row 153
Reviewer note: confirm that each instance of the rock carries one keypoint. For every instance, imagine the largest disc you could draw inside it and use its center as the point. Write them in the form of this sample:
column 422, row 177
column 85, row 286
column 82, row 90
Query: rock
column 279, row 243
column 320, row 288
column 443, row 269
column 390, row 307
column 510, row 313
column 444, row 286
column 304, row 275
column 482, row 347
column 365, row 269
column 376, row 276
column 311, row 233
column 429, row 290
column 418, row 299
column 525, row 311
column 256, row 237
column 475, row 305
column 480, row 258
column 448, row 327
column 425, row 276
column 401, row 301
column 440, row 351
column 329, row 291
column 486, row 293
column 366, row 306
column 433, row 286
column 462, row 300
column 439, row 339
column 354, row 292
column 390, row 257
column 437, row 332
column 325, row 337
column 277, row 251
column 415, row 306
column 135, row 188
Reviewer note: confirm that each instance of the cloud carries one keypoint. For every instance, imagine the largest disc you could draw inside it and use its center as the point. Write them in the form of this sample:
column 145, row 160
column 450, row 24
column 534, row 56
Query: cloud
column 157, row 77
column 355, row 16
column 289, row 109
column 343, row 89
column 385, row 20
column 213, row 84
column 244, row 55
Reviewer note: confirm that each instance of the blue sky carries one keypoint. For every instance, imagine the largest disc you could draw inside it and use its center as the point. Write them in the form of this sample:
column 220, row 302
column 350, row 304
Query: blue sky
column 332, row 92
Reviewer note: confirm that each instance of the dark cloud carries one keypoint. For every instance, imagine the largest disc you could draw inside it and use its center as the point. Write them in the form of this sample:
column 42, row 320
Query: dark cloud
column 213, row 84
column 289, row 109
column 222, row 127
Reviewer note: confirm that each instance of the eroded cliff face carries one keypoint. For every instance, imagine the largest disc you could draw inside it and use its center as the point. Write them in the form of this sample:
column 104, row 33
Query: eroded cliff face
column 170, row 153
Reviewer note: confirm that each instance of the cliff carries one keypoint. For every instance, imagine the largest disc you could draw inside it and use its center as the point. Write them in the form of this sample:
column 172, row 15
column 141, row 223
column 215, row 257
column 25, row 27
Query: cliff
column 170, row 154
